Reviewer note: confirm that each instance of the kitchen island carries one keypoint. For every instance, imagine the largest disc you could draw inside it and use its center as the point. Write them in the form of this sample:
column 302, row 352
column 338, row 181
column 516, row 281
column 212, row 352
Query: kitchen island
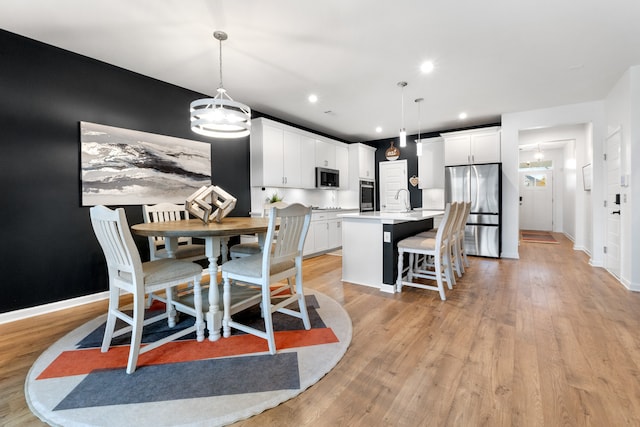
column 369, row 239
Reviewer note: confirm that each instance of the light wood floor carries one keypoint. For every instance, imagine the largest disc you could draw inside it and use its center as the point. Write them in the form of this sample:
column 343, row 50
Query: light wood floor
column 546, row 340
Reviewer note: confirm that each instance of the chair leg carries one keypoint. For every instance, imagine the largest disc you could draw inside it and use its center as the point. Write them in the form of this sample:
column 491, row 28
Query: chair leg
column 410, row 267
column 302, row 303
column 399, row 279
column 268, row 320
column 114, row 304
column 438, row 270
column 226, row 303
column 197, row 305
column 171, row 310
column 456, row 259
column 448, row 271
column 136, row 333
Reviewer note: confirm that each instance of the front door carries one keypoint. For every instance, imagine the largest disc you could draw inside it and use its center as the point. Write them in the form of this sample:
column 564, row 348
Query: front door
column 536, row 200
column 393, row 177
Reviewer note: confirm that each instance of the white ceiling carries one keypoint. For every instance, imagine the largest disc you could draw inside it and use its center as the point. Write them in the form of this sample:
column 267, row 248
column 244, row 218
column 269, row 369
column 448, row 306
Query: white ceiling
column 491, row 56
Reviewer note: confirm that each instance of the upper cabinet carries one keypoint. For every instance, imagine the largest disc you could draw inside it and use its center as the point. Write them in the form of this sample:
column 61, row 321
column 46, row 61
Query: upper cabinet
column 472, row 146
column 362, row 164
column 284, row 156
column 431, row 163
column 342, row 164
column 279, row 156
column 325, row 154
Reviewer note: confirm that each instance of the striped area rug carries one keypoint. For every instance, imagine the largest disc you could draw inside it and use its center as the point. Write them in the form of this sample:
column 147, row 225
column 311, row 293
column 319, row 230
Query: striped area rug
column 185, row 382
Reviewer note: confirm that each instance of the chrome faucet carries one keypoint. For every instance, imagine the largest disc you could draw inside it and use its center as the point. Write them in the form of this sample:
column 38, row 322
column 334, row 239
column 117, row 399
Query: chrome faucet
column 407, row 205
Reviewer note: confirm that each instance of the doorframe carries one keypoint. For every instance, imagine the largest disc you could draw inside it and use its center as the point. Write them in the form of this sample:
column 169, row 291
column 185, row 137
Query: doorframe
column 617, row 132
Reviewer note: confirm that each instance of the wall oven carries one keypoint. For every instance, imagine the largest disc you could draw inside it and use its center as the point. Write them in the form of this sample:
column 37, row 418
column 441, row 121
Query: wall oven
column 367, row 196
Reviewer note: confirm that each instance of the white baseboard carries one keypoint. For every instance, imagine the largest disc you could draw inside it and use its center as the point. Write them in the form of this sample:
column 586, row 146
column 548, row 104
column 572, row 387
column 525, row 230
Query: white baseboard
column 390, row 289
column 25, row 313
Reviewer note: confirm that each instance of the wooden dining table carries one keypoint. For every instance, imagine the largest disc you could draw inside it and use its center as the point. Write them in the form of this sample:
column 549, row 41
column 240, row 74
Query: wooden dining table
column 214, row 234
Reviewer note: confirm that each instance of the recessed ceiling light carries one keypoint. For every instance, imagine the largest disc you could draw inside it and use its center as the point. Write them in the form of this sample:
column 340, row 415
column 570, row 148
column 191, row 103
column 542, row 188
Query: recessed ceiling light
column 378, row 129
column 427, row 67
column 313, row 98
column 462, row 116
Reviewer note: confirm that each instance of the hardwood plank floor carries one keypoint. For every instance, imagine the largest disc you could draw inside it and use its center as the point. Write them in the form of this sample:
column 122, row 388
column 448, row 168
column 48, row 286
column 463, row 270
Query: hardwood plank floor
column 546, row 340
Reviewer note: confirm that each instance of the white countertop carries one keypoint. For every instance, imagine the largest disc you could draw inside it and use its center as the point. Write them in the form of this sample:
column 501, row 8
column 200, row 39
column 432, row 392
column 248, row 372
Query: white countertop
column 386, row 217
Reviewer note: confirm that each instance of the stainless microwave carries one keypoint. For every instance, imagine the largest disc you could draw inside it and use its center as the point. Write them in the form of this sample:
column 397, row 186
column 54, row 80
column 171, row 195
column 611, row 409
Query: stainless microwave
column 327, row 178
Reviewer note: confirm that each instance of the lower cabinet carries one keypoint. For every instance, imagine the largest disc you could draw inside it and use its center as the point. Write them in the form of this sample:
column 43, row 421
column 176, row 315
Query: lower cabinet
column 325, row 233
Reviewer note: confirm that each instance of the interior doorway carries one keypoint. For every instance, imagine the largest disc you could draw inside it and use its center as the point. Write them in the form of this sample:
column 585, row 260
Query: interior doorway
column 536, row 200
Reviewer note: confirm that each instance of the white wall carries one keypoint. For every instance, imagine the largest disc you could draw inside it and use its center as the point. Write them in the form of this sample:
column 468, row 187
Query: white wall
column 623, row 109
column 345, row 199
column 568, row 195
column 586, row 113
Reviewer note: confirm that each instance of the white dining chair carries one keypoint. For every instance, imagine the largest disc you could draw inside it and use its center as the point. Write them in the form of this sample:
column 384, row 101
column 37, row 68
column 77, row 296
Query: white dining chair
column 251, row 248
column 128, row 274
column 268, row 268
column 187, row 249
column 437, row 249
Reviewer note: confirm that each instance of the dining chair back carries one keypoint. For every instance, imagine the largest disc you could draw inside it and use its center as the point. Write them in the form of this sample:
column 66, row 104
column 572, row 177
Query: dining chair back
column 265, row 270
column 457, row 238
column 187, row 249
column 128, row 274
column 251, row 248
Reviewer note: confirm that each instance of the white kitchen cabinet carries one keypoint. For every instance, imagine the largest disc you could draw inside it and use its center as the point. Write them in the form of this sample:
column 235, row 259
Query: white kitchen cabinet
column 280, row 156
column 362, row 164
column 307, row 162
column 342, row 164
column 291, row 165
column 334, row 227
column 325, row 154
column 325, row 232
column 431, row 164
column 473, row 146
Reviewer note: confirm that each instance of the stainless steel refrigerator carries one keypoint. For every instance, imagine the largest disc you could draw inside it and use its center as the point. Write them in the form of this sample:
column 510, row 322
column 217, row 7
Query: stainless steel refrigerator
column 482, row 185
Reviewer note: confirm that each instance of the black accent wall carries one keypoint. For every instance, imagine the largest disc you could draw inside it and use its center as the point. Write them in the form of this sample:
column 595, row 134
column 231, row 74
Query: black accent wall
column 49, row 252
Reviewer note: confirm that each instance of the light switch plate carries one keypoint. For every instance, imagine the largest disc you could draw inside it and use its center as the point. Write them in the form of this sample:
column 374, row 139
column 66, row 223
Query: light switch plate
column 386, row 236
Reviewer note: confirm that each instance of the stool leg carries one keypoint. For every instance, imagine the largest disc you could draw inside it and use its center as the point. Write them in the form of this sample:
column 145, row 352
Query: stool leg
column 438, row 271
column 399, row 280
column 410, row 267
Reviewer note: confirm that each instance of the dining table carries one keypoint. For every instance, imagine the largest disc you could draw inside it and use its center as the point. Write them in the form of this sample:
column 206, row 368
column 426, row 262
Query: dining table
column 214, row 235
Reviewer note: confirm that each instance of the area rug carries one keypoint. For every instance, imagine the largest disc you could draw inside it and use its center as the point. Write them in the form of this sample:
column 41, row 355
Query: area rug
column 537, row 237
column 185, row 383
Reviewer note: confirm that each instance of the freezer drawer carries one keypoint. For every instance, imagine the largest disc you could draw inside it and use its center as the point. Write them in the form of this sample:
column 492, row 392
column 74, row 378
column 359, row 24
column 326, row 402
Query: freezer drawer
column 482, row 240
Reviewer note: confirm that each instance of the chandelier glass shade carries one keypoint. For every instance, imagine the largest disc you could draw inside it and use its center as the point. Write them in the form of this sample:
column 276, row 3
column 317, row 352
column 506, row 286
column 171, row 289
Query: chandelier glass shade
column 220, row 116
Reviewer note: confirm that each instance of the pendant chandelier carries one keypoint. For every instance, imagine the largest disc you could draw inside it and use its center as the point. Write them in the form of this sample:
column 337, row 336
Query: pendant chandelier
column 418, row 141
column 403, row 131
column 220, row 116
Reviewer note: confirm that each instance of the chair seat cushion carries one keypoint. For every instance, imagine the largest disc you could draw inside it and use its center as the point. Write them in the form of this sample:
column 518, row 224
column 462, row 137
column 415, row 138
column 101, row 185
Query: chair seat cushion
column 165, row 270
column 252, row 266
column 245, row 249
column 418, row 243
column 430, row 233
column 184, row 251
